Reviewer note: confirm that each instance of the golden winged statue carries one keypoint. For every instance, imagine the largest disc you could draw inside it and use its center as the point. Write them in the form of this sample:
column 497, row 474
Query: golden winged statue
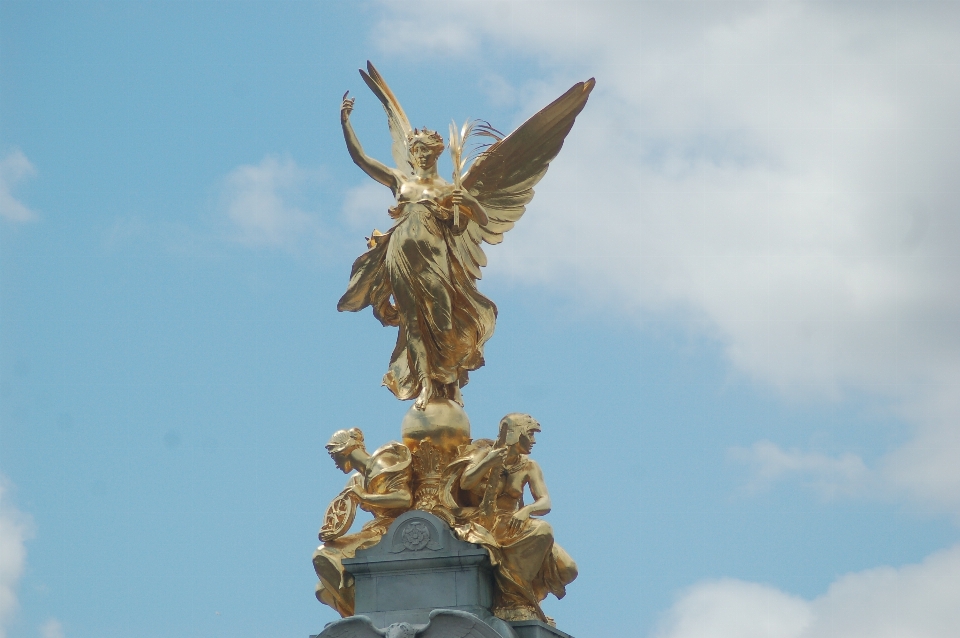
column 421, row 275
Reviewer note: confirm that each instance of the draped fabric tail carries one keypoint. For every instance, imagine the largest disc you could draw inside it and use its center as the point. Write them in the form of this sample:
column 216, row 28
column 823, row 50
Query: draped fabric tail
column 529, row 564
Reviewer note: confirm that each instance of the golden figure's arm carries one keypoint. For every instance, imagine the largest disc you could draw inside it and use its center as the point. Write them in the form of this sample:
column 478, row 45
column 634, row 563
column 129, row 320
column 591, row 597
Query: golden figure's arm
column 370, row 166
column 392, row 499
column 477, row 469
column 399, row 498
column 538, row 489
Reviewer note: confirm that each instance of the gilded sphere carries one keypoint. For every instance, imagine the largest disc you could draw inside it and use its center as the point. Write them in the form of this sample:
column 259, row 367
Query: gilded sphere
column 443, row 422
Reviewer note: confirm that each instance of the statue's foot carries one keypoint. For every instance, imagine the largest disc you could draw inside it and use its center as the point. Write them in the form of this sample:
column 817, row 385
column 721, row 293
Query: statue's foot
column 457, row 395
column 425, row 395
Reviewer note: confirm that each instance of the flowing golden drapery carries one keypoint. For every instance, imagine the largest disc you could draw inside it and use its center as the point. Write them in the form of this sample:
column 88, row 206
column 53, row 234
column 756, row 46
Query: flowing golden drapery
column 529, row 564
column 444, row 321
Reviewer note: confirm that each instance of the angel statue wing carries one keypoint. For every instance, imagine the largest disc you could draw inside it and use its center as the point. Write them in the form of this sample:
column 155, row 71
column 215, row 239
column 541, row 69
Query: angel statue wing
column 503, row 176
column 396, row 118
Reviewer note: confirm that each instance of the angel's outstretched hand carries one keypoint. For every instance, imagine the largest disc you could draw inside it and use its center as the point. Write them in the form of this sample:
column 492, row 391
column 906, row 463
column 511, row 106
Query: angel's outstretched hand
column 346, row 107
column 457, row 197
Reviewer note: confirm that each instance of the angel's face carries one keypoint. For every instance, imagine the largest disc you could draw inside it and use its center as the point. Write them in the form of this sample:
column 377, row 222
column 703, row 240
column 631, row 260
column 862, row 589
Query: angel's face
column 423, row 157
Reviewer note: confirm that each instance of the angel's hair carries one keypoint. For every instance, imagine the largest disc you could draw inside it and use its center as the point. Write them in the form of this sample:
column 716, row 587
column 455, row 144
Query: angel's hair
column 343, row 441
column 515, row 424
column 431, row 139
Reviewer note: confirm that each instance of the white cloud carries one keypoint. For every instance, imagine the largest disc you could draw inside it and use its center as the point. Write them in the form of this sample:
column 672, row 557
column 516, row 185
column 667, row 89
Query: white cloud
column 14, row 168
column 53, row 628
column 781, row 174
column 736, row 608
column 259, row 201
column 916, row 601
column 831, row 476
column 15, row 529
column 414, row 32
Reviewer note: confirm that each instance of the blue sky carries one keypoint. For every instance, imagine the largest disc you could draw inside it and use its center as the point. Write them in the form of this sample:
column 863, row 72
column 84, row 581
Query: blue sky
column 732, row 306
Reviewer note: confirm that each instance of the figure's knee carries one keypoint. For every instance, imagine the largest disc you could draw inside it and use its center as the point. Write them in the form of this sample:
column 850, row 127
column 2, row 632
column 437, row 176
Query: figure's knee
column 326, row 564
column 566, row 566
column 319, row 556
column 541, row 527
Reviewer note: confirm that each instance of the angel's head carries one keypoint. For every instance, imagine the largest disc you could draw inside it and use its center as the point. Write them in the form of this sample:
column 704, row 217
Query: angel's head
column 425, row 146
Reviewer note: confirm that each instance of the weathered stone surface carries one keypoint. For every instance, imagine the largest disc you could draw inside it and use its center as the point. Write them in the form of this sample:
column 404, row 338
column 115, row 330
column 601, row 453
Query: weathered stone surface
column 417, row 567
column 418, row 570
column 441, row 623
column 536, row 629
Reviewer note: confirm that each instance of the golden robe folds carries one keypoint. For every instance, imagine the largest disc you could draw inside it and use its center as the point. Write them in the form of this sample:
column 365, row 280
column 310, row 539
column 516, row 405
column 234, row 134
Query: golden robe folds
column 444, row 320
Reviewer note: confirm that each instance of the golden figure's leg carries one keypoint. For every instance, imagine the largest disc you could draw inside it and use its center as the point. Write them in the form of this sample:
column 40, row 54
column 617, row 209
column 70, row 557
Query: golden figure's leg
column 331, row 590
column 425, row 394
column 457, row 395
column 417, row 357
column 566, row 566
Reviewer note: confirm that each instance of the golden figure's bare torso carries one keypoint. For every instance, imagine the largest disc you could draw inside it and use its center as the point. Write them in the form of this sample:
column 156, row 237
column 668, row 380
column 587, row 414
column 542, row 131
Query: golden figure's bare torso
column 434, row 190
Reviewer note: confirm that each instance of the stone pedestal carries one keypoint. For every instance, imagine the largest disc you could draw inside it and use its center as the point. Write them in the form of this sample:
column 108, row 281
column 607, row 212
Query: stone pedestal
column 419, row 567
column 536, row 629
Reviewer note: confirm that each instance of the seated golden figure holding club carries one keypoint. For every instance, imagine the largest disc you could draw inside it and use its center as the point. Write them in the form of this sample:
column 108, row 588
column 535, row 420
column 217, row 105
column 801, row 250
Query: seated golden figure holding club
column 421, row 274
column 485, row 490
column 381, row 486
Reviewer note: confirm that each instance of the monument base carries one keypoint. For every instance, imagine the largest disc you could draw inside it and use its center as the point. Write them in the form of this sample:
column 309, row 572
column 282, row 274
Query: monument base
column 536, row 629
column 419, row 576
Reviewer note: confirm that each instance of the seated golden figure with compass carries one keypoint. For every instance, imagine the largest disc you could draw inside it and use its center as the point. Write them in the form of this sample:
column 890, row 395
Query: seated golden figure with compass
column 381, row 486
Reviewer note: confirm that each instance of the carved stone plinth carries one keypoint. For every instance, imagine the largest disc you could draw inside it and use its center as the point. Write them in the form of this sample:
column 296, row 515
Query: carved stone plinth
column 536, row 629
column 417, row 568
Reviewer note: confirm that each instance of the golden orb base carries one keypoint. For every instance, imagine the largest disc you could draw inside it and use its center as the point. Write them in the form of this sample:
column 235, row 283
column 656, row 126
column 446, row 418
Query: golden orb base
column 433, row 436
column 443, row 423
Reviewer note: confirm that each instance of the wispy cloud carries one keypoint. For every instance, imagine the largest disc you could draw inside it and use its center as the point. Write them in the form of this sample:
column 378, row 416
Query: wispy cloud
column 14, row 168
column 413, row 33
column 781, row 173
column 52, row 628
column 915, row 600
column 15, row 529
column 845, row 474
column 261, row 203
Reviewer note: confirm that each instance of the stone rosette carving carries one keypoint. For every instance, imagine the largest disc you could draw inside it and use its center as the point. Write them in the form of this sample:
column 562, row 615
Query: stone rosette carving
column 415, row 535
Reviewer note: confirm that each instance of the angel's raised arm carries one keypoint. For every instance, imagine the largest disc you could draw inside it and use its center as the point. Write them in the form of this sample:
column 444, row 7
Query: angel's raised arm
column 378, row 171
